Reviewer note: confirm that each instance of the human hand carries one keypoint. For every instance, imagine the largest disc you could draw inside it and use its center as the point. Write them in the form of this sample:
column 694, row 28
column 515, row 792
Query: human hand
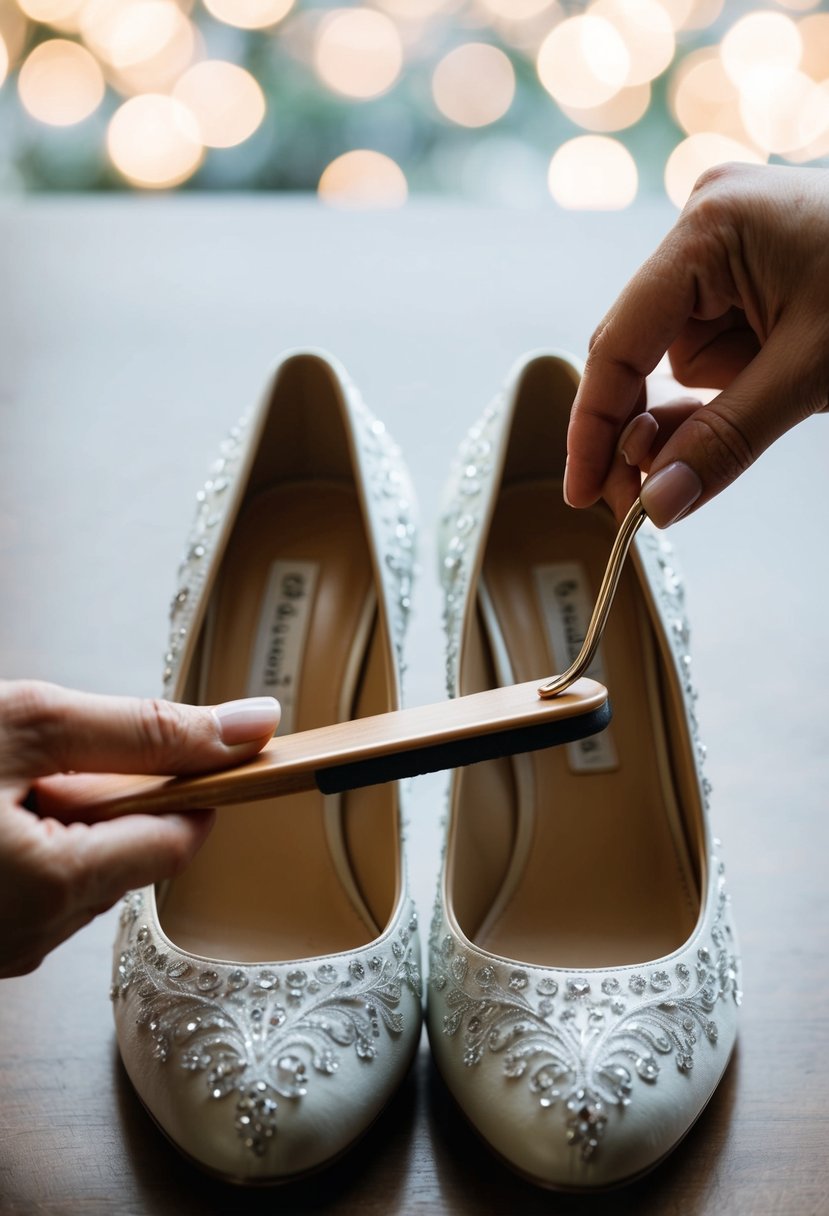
column 58, row 873
column 738, row 296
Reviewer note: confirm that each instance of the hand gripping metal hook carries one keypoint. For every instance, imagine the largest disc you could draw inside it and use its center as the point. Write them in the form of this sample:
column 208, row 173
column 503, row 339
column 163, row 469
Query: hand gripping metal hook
column 598, row 621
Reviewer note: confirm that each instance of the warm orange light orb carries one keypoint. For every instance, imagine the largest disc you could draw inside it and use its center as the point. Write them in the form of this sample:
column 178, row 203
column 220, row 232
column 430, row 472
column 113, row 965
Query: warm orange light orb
column 583, row 61
column 363, row 180
column 759, row 44
column 358, row 52
column 226, row 101
column 697, row 153
column 474, row 85
column 646, row 31
column 593, row 173
column 153, row 140
column 60, row 83
column 249, row 14
column 622, row 110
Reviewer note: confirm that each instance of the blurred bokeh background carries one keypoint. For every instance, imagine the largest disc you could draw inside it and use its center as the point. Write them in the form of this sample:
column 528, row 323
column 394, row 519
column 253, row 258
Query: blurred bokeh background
column 522, row 103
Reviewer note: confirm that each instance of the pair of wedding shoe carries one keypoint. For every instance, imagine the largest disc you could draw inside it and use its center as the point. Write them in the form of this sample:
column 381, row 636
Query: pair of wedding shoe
column 583, row 976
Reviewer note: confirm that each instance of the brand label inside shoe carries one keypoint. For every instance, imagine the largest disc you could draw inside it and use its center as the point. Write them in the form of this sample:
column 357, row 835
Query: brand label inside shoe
column 566, row 605
column 280, row 636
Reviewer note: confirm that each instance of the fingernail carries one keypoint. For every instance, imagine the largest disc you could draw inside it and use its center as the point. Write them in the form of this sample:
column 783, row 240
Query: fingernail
column 564, row 483
column 636, row 440
column 251, row 718
column 669, row 493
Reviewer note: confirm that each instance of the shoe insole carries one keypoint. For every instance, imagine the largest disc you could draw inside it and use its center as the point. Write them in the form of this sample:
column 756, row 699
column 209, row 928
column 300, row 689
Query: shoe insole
column 294, row 617
column 600, row 874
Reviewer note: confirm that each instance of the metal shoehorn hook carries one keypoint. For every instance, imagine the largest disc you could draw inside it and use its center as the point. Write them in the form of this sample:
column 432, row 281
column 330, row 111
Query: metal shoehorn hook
column 598, row 621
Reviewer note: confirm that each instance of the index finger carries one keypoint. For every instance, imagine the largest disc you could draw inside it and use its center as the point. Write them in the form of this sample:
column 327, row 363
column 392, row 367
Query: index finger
column 627, row 346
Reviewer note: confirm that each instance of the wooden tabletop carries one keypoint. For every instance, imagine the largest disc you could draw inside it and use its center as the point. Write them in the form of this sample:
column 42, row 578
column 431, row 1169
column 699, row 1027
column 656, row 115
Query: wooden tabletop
column 132, row 333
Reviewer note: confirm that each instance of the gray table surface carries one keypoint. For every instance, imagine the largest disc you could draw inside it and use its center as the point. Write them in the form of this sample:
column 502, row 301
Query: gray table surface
column 132, row 333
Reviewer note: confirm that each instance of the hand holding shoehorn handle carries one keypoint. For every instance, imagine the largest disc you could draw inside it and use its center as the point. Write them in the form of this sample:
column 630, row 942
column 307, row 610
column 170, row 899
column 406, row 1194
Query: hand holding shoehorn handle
column 402, row 743
column 366, row 751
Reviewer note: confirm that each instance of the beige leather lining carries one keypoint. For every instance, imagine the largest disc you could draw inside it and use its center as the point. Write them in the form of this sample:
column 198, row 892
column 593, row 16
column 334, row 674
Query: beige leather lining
column 548, row 865
column 300, row 875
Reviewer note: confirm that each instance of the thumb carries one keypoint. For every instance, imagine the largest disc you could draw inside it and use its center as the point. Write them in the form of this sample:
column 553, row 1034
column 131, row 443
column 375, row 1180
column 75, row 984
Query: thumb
column 719, row 441
column 46, row 729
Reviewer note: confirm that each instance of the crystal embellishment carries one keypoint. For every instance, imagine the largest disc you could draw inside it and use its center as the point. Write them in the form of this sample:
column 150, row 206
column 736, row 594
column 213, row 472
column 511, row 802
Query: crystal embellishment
column 262, row 1037
column 227, row 1024
column 576, row 1048
column 582, row 1043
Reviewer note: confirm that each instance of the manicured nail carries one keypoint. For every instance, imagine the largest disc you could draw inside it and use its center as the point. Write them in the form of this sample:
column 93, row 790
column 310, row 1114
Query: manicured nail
column 251, row 718
column 637, row 438
column 668, row 494
column 564, row 483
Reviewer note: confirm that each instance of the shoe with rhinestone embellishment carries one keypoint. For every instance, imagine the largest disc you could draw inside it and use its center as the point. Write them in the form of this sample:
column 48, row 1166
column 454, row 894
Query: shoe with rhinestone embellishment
column 583, row 985
column 267, row 1000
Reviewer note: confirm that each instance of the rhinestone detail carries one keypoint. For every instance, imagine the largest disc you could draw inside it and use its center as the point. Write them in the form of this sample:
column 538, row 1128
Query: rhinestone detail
column 624, row 1030
column 578, row 1046
column 229, row 1026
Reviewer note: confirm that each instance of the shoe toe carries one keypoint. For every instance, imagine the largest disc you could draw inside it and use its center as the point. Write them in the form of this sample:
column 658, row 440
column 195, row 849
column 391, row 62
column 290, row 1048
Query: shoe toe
column 248, row 1131
column 584, row 1081
column 576, row 1139
column 263, row 1072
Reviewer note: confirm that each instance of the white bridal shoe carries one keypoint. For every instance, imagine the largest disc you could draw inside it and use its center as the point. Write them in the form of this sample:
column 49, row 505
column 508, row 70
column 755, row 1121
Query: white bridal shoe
column 584, row 981
column 267, row 1001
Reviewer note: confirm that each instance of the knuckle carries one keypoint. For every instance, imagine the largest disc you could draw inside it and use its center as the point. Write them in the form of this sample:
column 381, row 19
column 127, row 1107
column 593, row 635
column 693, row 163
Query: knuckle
column 716, row 177
column 27, row 700
column 604, row 354
column 712, row 176
column 163, row 731
column 726, row 448
column 33, row 715
column 596, row 337
column 179, row 853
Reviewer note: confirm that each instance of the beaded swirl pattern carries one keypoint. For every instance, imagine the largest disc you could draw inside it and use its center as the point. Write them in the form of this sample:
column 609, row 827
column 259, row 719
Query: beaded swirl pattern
column 580, row 1041
column 258, row 1035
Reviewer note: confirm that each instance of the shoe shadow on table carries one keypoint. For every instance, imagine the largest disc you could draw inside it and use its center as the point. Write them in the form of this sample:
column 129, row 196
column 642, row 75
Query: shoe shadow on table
column 472, row 1180
column 368, row 1178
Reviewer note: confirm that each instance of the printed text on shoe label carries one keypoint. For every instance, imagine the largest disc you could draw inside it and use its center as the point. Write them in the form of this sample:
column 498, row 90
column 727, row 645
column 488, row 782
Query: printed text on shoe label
column 276, row 662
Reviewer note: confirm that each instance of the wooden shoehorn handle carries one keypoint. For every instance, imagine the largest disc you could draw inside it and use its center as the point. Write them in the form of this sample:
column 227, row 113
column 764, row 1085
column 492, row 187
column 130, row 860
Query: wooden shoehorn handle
column 367, row 751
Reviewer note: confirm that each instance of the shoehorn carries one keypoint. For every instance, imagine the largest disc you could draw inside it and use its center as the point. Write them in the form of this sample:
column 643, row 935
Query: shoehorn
column 601, row 871
column 294, row 616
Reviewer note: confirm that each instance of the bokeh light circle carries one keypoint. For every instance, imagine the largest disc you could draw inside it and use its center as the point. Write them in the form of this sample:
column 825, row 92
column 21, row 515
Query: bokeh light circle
column 60, row 83
column 788, row 114
column 758, row 44
column 363, row 180
column 474, row 84
column 226, row 100
column 249, row 14
column 646, row 31
column 62, row 14
column 697, row 153
column 703, row 97
column 517, row 10
column 622, row 110
column 593, row 173
column 583, row 61
column 358, row 52
column 153, row 140
column 814, row 34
